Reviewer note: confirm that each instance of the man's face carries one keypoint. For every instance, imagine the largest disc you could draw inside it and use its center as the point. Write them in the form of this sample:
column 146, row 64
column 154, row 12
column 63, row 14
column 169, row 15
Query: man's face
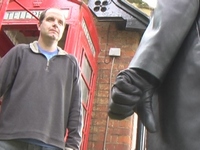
column 53, row 25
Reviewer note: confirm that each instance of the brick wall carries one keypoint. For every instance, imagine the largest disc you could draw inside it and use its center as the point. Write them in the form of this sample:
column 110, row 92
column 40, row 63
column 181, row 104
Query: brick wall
column 106, row 134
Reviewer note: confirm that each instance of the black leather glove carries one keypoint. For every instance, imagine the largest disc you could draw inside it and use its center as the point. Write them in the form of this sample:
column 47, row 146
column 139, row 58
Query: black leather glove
column 132, row 93
column 124, row 95
column 144, row 106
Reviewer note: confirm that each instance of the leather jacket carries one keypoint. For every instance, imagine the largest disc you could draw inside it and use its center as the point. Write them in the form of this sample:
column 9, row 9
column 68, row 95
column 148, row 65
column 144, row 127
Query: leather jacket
column 170, row 51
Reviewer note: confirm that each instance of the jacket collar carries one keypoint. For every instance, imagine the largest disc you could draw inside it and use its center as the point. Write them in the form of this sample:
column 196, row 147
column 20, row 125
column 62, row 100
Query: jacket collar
column 35, row 49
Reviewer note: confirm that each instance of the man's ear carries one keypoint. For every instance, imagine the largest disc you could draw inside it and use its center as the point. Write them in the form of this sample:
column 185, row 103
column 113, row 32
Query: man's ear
column 38, row 26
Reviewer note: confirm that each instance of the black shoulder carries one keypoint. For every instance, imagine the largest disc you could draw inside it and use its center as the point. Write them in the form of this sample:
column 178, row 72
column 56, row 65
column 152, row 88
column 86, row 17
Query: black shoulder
column 18, row 49
column 22, row 46
column 72, row 58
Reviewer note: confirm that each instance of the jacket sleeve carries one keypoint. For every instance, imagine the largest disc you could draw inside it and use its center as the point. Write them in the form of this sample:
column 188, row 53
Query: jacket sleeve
column 75, row 122
column 8, row 68
column 169, row 26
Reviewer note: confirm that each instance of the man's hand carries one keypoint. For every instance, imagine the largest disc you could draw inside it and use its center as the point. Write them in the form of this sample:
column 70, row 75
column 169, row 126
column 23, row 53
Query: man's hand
column 124, row 96
column 132, row 93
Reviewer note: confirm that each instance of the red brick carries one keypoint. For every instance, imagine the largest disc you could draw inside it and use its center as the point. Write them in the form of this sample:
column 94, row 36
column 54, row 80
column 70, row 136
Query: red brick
column 119, row 133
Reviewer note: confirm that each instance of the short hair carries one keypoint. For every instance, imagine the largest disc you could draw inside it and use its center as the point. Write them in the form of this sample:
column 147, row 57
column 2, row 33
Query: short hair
column 42, row 15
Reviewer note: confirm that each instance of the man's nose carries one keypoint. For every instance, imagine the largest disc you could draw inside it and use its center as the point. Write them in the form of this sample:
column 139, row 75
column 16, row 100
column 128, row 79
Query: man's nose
column 55, row 23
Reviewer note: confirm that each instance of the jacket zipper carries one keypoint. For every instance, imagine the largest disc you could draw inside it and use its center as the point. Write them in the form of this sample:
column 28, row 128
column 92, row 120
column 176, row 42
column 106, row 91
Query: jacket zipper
column 48, row 62
column 47, row 66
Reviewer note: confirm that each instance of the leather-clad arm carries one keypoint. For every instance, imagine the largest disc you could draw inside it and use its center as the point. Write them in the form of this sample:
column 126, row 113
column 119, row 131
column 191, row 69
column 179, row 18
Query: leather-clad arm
column 169, row 26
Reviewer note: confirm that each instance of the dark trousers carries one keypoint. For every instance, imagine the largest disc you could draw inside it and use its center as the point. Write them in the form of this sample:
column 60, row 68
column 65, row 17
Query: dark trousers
column 18, row 145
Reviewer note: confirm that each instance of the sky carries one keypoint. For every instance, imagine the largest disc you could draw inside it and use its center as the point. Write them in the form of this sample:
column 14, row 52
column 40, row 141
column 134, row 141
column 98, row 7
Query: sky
column 151, row 3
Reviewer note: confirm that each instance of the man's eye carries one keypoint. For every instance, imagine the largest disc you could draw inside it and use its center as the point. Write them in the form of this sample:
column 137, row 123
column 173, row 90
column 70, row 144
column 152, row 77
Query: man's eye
column 60, row 22
column 50, row 19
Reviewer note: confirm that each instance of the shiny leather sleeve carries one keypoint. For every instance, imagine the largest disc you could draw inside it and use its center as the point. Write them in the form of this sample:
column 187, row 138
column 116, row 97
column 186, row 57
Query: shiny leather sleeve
column 169, row 25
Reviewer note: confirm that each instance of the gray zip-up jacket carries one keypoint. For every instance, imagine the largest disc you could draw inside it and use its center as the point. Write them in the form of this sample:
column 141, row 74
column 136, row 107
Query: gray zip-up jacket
column 41, row 98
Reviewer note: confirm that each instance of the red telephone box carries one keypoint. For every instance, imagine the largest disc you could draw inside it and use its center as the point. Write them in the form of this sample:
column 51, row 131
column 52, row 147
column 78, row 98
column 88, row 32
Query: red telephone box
column 18, row 19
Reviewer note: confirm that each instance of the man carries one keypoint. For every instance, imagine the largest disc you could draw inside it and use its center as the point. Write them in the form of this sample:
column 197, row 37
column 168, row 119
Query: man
column 168, row 58
column 41, row 92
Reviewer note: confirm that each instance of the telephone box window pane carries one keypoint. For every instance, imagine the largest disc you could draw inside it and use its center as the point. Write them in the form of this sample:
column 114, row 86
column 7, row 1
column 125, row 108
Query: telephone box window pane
column 84, row 90
column 87, row 34
column 87, row 71
column 30, row 34
column 84, row 112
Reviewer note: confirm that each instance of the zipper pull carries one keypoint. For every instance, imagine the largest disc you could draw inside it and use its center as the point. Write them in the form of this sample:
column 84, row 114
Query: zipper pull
column 47, row 67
